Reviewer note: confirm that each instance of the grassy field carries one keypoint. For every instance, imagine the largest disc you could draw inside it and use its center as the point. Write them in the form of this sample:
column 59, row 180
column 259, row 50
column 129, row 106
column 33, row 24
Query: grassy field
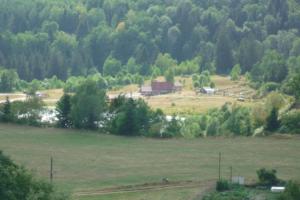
column 175, row 194
column 185, row 102
column 88, row 161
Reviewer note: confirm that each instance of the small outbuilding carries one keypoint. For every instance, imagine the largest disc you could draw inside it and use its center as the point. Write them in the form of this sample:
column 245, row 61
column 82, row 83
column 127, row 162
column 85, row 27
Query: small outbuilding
column 41, row 95
column 146, row 90
column 207, row 90
column 238, row 180
column 277, row 189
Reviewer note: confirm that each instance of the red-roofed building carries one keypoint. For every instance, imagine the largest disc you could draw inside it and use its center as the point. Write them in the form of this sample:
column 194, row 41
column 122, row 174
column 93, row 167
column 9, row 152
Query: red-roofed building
column 160, row 87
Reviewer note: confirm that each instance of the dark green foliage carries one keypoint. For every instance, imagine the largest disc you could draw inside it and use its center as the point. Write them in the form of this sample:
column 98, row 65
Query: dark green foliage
column 295, row 85
column 88, row 105
column 172, row 128
column 63, row 107
column 169, row 75
column 126, row 121
column 7, row 115
column 230, row 120
column 269, row 87
column 235, row 194
column 202, row 80
column 222, row 185
column 292, row 192
column 250, row 52
column 17, row 183
column 272, row 123
column 267, row 177
column 132, row 117
column 28, row 112
column 111, row 66
column 40, row 39
column 272, row 68
column 8, row 80
column 224, row 57
column 213, row 127
column 239, row 121
column 235, row 73
column 290, row 122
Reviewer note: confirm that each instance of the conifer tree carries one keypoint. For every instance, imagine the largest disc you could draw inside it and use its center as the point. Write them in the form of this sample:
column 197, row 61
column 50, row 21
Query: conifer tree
column 272, row 121
column 64, row 111
column 7, row 114
column 224, row 57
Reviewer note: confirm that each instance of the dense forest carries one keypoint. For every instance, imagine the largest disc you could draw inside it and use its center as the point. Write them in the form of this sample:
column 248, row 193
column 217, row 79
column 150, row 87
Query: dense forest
column 43, row 38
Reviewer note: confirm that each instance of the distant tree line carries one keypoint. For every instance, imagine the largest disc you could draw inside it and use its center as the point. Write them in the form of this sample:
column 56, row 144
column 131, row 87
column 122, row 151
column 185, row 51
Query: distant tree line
column 88, row 107
column 10, row 82
column 40, row 39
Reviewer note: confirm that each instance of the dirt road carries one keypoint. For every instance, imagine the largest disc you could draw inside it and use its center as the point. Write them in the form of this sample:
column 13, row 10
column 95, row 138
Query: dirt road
column 204, row 186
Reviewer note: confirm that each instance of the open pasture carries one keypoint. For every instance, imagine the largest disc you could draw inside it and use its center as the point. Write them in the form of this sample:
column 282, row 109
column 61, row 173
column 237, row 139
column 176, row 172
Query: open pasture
column 88, row 161
column 185, row 102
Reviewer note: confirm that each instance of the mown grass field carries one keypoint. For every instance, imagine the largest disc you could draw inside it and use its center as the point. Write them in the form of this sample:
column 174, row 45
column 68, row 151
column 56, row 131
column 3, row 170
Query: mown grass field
column 87, row 161
column 184, row 103
column 187, row 101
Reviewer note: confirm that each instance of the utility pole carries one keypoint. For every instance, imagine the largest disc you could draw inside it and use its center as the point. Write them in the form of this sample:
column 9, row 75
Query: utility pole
column 51, row 169
column 230, row 173
column 219, row 166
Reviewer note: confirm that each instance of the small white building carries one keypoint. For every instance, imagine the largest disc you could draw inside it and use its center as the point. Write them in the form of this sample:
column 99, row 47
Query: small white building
column 238, row 180
column 208, row 90
column 277, row 189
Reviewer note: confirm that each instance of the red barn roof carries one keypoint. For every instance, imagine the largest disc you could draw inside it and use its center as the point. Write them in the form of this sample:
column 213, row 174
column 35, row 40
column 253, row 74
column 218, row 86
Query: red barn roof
column 162, row 86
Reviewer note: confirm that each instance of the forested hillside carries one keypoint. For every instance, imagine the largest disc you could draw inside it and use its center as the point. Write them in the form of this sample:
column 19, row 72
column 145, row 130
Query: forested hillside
column 43, row 38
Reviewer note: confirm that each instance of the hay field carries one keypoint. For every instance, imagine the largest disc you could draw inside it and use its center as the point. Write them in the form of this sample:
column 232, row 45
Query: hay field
column 185, row 102
column 87, row 161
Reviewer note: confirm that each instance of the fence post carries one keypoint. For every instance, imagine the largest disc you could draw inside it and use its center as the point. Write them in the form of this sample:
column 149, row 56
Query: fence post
column 51, row 169
column 220, row 166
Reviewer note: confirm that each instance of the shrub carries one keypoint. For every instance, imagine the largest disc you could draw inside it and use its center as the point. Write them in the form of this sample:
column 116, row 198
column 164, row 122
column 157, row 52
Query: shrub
column 236, row 194
column 235, row 73
column 291, row 122
column 17, row 183
column 27, row 112
column 267, row 177
column 292, row 192
column 269, row 87
column 272, row 121
column 172, row 128
column 222, row 185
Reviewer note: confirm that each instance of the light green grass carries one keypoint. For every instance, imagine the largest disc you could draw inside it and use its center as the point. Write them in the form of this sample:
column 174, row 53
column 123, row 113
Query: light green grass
column 174, row 194
column 84, row 160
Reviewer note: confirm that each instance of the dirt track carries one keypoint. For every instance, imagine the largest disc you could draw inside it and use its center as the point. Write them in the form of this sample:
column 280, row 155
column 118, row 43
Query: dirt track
column 147, row 187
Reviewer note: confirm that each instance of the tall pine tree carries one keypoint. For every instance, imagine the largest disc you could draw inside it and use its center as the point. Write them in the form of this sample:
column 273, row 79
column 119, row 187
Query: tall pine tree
column 224, row 57
column 64, row 111
column 272, row 121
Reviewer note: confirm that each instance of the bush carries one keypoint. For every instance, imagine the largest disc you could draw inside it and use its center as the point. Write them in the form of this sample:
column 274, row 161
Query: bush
column 267, row 177
column 269, row 87
column 17, row 183
column 222, row 185
column 291, row 122
column 292, row 192
column 27, row 112
column 236, row 194
column 272, row 121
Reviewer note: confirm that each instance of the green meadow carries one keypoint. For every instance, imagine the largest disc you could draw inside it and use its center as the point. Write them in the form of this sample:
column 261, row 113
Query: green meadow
column 87, row 161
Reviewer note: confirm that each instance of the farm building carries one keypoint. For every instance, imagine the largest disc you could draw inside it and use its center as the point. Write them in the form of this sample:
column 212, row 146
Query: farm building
column 146, row 90
column 160, row 87
column 41, row 95
column 207, row 90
